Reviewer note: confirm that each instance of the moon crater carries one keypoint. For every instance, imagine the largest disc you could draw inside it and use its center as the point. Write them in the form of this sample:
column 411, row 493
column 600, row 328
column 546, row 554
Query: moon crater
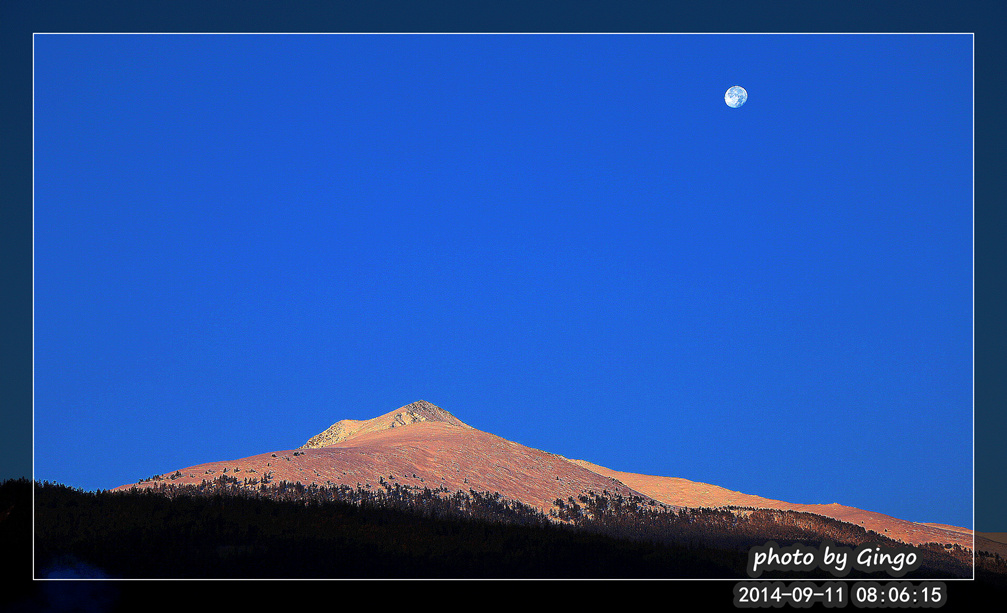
column 736, row 96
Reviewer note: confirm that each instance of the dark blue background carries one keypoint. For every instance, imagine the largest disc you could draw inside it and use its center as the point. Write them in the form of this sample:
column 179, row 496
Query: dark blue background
column 569, row 241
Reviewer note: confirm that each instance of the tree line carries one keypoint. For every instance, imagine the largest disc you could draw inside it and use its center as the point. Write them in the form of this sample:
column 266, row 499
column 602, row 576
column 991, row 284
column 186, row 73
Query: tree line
column 228, row 526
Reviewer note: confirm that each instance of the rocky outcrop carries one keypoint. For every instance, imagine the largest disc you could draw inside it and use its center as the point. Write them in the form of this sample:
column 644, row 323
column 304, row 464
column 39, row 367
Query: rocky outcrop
column 419, row 411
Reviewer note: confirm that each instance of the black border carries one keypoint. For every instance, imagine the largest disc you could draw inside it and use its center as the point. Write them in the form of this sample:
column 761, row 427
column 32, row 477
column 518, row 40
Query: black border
column 20, row 18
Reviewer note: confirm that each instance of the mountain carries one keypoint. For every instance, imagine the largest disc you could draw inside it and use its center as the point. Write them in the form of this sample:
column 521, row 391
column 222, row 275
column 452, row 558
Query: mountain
column 416, row 446
column 421, row 445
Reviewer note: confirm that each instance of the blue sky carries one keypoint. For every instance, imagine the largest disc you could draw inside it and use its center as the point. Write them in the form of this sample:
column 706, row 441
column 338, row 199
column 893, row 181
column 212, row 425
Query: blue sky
column 569, row 241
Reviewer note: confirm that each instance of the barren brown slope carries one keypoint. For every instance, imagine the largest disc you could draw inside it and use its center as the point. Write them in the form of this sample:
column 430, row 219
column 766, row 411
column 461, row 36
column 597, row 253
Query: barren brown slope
column 999, row 537
column 992, row 542
column 421, row 445
column 682, row 492
column 947, row 527
column 421, row 454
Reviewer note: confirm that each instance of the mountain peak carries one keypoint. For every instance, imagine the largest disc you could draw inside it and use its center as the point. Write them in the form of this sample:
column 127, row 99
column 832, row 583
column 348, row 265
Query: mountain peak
column 418, row 411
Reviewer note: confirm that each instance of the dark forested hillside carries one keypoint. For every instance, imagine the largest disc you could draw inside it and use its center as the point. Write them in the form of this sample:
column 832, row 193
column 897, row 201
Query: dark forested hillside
column 223, row 528
column 318, row 532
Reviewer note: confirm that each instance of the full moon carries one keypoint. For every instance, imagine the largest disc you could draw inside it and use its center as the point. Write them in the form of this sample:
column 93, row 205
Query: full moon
column 736, row 96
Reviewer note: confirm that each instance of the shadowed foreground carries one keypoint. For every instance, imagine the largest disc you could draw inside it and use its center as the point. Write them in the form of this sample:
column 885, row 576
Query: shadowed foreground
column 222, row 530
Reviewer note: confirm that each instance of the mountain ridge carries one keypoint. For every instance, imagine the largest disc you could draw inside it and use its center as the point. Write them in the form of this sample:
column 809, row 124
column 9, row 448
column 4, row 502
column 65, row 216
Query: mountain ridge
column 421, row 445
column 683, row 492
